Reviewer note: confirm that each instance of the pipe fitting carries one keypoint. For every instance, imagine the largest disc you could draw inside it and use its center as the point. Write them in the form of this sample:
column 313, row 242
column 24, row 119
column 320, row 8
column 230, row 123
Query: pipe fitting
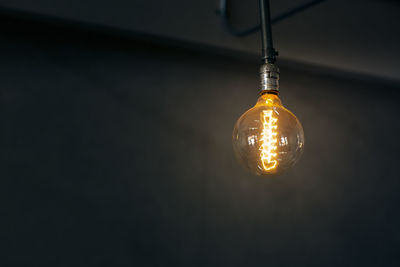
column 269, row 78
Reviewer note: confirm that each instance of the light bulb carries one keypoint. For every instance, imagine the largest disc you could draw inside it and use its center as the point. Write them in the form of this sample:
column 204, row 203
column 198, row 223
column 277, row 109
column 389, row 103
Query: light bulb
column 268, row 138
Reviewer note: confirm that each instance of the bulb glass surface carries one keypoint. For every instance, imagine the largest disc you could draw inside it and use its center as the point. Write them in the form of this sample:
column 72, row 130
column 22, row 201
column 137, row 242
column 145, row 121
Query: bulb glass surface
column 268, row 138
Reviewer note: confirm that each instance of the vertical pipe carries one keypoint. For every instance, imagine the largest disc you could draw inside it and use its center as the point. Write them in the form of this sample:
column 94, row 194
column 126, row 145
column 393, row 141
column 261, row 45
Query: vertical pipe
column 267, row 49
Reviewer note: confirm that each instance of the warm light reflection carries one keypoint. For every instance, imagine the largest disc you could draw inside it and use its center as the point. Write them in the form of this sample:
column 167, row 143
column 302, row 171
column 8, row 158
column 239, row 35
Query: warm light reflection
column 268, row 140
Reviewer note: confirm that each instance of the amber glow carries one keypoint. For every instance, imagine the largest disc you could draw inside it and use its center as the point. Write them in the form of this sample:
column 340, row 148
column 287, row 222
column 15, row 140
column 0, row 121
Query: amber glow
column 269, row 141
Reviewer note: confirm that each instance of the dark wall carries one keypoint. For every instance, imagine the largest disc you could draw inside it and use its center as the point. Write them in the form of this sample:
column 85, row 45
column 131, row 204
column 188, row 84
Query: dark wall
column 118, row 153
column 365, row 39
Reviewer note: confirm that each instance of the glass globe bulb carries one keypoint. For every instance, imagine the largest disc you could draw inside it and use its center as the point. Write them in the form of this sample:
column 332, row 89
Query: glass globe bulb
column 268, row 138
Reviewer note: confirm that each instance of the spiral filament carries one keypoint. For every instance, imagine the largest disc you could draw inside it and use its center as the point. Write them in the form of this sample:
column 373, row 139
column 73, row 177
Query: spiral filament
column 269, row 141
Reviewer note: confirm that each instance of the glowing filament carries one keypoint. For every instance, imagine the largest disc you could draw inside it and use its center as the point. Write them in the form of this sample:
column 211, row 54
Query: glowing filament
column 269, row 141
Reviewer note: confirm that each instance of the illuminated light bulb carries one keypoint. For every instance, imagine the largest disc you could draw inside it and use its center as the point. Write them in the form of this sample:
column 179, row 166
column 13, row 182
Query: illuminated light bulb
column 268, row 138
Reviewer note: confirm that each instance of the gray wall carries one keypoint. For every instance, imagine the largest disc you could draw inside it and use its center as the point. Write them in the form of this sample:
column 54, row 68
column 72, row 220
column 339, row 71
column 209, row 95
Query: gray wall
column 352, row 35
column 118, row 153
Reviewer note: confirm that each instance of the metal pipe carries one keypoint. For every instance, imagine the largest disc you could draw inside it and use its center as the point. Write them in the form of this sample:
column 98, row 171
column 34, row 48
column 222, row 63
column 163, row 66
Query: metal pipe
column 267, row 48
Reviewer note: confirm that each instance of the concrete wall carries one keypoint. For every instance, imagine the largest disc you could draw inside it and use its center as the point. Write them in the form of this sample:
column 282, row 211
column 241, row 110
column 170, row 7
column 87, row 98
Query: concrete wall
column 118, row 153
column 357, row 35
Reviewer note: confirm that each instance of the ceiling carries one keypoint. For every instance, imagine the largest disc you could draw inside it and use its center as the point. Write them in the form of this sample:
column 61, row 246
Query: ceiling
column 347, row 35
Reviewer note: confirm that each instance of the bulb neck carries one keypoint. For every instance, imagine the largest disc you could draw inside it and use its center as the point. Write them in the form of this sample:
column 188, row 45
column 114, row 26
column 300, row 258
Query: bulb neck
column 269, row 74
column 269, row 99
